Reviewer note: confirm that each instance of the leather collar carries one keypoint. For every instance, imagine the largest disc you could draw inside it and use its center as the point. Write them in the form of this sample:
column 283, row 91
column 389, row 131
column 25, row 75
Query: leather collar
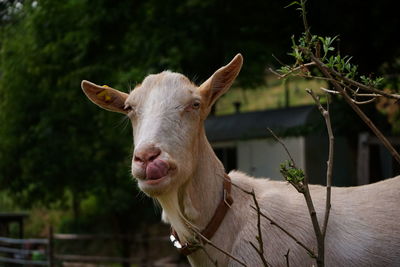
column 214, row 223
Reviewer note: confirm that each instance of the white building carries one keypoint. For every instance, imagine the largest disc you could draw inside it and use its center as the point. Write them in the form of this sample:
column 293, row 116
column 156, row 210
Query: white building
column 242, row 142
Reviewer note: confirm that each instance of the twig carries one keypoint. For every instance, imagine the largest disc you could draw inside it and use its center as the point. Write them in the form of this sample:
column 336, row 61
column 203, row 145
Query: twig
column 277, row 59
column 283, row 145
column 305, row 23
column 369, row 95
column 363, row 102
column 329, row 163
column 304, row 189
column 287, row 258
column 209, row 242
column 326, row 71
column 360, row 85
column 302, row 66
column 301, row 244
column 329, row 91
column 315, row 224
column 356, row 94
column 260, row 249
column 273, row 222
column 209, row 257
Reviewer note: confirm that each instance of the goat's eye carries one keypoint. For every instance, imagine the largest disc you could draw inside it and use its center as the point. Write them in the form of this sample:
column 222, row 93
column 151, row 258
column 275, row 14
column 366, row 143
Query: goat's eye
column 196, row 104
column 129, row 109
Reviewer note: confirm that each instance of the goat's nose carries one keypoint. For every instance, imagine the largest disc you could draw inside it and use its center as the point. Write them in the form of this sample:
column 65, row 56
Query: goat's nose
column 147, row 154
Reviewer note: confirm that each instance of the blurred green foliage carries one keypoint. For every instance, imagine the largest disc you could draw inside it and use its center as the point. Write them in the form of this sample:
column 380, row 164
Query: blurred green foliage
column 56, row 148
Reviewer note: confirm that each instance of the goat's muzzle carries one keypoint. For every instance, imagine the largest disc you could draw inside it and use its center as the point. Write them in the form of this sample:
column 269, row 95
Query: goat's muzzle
column 150, row 164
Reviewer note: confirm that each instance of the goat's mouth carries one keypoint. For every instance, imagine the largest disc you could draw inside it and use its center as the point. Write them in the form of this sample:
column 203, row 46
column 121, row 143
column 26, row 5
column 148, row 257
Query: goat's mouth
column 152, row 181
column 156, row 178
column 155, row 172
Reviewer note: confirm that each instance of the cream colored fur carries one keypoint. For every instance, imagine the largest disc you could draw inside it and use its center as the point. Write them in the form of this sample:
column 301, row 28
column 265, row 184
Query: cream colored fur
column 363, row 230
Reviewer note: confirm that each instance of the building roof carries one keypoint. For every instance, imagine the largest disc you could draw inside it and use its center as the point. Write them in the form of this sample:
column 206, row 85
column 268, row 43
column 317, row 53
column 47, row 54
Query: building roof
column 253, row 125
column 12, row 216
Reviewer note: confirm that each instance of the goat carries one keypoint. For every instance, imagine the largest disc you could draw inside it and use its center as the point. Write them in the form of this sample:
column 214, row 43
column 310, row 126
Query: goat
column 174, row 163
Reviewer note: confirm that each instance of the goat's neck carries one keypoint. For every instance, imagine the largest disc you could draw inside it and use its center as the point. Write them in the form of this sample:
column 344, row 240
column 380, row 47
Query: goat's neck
column 195, row 202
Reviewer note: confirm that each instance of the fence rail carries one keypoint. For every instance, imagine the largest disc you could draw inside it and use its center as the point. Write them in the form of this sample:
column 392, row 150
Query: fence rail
column 17, row 250
column 21, row 261
column 96, row 259
column 19, row 255
column 16, row 241
column 105, row 236
column 12, row 250
column 87, row 236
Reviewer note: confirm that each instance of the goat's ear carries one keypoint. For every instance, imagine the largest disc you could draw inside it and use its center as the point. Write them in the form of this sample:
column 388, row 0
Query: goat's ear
column 105, row 96
column 220, row 81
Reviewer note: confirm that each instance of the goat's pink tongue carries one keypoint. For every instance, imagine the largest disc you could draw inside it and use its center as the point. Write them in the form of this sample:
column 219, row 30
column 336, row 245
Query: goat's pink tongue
column 156, row 169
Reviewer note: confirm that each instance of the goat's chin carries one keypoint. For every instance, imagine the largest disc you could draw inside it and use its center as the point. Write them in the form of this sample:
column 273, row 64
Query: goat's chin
column 156, row 188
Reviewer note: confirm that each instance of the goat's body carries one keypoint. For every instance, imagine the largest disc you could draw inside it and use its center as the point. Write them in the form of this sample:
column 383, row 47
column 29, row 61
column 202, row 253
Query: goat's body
column 174, row 163
column 363, row 229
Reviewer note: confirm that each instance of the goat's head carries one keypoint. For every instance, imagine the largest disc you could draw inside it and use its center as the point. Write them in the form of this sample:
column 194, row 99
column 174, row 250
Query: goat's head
column 167, row 113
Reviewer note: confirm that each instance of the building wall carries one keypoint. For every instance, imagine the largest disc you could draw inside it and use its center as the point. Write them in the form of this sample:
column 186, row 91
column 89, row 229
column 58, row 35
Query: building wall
column 262, row 158
column 345, row 155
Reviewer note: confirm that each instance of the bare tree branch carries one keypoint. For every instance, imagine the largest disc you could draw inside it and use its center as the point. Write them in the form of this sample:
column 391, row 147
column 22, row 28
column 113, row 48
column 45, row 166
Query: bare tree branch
column 260, row 249
column 374, row 96
column 317, row 230
column 360, row 85
column 273, row 222
column 364, row 102
column 304, row 189
column 283, row 145
column 287, row 258
column 329, row 171
column 301, row 67
column 209, row 257
column 305, row 22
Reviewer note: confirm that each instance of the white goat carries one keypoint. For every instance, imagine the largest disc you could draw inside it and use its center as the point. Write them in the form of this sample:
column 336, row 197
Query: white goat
column 174, row 163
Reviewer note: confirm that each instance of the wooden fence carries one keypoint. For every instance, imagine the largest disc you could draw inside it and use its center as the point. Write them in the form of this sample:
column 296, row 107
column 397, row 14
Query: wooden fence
column 42, row 252
column 24, row 254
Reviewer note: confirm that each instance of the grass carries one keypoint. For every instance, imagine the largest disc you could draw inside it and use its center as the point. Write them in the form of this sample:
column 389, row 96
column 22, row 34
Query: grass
column 269, row 96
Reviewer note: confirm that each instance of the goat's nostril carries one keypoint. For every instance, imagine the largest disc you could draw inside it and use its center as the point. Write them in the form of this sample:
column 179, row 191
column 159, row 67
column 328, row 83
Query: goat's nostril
column 154, row 154
column 147, row 155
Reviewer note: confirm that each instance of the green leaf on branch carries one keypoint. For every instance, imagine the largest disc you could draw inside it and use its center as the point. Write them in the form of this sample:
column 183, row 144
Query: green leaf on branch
column 342, row 65
column 291, row 173
column 327, row 44
column 284, row 70
column 293, row 3
column 377, row 82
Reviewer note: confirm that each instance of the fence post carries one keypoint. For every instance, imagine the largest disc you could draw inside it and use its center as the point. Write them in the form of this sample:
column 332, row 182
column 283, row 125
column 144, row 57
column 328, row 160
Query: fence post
column 50, row 247
column 363, row 159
